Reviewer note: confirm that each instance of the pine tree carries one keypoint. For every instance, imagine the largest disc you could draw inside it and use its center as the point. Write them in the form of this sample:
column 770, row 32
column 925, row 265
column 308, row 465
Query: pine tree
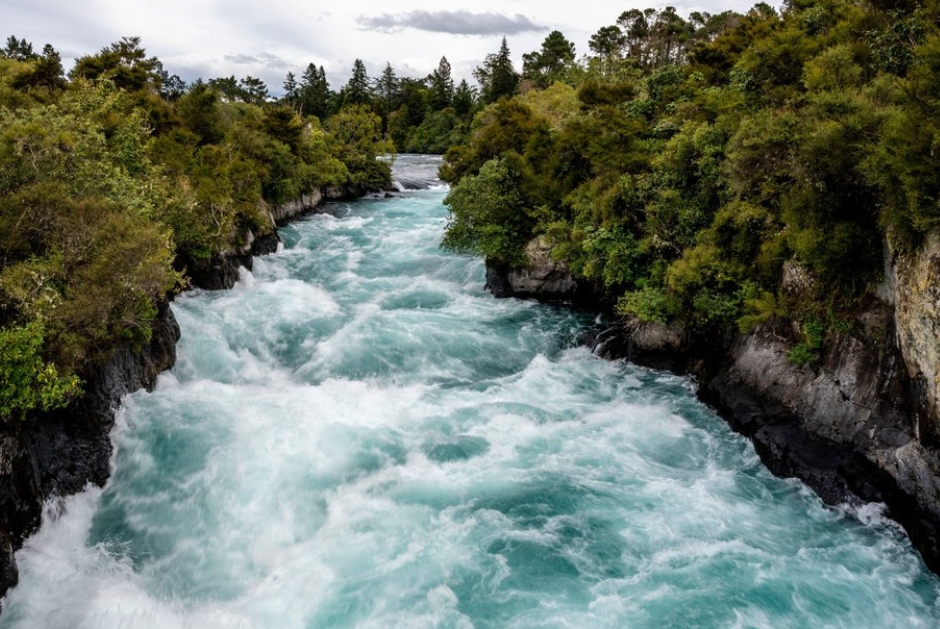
column 172, row 87
column 414, row 94
column 18, row 49
column 291, row 91
column 497, row 78
column 314, row 93
column 464, row 97
column 387, row 88
column 635, row 27
column 254, row 89
column 229, row 89
column 46, row 73
column 546, row 65
column 125, row 63
column 357, row 90
column 607, row 44
column 441, row 86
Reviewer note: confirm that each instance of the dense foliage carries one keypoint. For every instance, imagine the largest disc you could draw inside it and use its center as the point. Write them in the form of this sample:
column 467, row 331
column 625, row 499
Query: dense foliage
column 689, row 164
column 114, row 182
column 418, row 115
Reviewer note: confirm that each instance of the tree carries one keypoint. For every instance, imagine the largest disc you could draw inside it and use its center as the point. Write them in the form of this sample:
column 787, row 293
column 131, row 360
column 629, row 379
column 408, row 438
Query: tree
column 283, row 124
column 229, row 89
column 497, row 78
column 18, row 49
column 441, row 86
column 607, row 43
column 201, row 113
column 357, row 90
column 635, row 28
column 123, row 62
column 545, row 66
column 254, row 90
column 414, row 93
column 172, row 87
column 488, row 214
column 464, row 98
column 387, row 88
column 28, row 381
column 46, row 73
column 314, row 92
column 356, row 135
column 291, row 90
column 671, row 34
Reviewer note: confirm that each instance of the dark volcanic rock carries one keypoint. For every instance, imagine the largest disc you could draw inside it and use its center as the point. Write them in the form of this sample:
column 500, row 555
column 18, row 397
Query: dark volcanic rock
column 651, row 344
column 282, row 213
column 267, row 244
column 219, row 272
column 497, row 280
column 842, row 426
column 877, row 465
column 59, row 453
column 542, row 278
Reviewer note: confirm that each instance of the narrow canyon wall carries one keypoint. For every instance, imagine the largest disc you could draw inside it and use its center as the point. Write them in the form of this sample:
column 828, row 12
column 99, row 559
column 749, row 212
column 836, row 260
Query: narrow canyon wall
column 60, row 453
column 859, row 424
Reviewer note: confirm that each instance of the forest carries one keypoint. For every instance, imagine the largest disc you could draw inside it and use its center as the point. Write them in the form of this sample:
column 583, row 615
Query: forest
column 682, row 167
column 717, row 172
column 118, row 179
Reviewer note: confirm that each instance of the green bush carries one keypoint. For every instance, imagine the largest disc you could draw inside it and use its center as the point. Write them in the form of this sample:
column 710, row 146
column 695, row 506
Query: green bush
column 27, row 380
column 488, row 215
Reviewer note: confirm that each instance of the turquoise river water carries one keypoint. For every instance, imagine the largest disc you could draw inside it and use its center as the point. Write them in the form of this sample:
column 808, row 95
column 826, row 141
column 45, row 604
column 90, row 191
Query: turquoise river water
column 358, row 435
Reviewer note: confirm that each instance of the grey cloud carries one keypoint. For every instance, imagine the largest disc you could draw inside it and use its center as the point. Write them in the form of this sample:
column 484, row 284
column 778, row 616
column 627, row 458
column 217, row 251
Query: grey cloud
column 452, row 22
column 264, row 58
column 241, row 59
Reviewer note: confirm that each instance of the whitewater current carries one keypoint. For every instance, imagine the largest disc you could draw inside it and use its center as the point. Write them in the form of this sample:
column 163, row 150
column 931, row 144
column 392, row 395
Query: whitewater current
column 358, row 435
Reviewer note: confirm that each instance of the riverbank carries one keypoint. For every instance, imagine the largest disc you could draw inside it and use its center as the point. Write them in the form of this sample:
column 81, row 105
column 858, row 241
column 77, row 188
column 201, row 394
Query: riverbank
column 856, row 425
column 56, row 454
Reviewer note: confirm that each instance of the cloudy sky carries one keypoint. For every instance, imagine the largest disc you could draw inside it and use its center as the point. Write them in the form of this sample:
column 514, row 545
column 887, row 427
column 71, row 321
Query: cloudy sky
column 212, row 38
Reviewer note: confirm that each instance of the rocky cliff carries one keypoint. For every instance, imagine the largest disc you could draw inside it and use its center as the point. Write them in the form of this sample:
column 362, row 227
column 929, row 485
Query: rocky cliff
column 542, row 278
column 61, row 452
column 859, row 424
column 221, row 270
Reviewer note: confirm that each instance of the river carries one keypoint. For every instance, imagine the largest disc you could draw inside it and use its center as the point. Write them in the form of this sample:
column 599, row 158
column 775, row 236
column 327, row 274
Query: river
column 358, row 435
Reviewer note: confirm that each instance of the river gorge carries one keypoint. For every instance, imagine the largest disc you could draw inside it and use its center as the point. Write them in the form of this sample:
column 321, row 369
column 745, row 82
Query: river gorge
column 359, row 435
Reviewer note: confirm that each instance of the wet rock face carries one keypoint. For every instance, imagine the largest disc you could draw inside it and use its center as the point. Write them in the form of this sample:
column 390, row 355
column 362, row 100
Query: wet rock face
column 282, row 213
column 917, row 310
column 855, row 395
column 843, row 427
column 646, row 343
column 219, row 272
column 59, row 453
column 542, row 278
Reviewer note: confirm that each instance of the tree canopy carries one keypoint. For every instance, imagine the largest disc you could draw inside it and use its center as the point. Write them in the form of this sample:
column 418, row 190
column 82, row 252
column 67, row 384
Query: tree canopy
column 114, row 186
column 687, row 161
